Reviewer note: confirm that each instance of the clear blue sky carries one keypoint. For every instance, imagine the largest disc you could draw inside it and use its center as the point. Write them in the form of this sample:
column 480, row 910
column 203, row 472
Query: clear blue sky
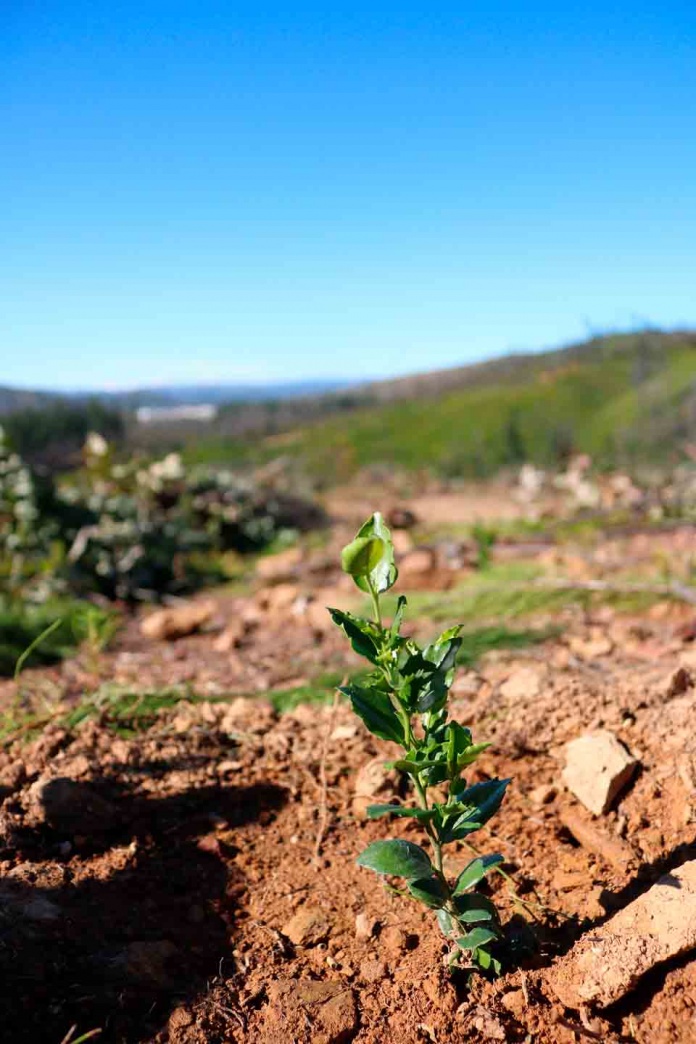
column 269, row 191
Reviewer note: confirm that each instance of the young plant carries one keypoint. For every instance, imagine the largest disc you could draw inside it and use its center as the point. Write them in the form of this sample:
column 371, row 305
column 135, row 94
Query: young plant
column 404, row 700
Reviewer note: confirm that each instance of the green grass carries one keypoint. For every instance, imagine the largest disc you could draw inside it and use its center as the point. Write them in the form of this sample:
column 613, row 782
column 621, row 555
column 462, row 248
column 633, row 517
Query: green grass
column 319, row 690
column 623, row 399
column 21, row 625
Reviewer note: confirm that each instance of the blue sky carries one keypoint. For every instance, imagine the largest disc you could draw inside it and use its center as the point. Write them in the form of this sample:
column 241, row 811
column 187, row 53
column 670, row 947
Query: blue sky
column 265, row 191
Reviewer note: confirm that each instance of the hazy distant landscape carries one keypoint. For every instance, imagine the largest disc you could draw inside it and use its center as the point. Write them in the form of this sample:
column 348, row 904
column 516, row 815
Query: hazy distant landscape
column 626, row 399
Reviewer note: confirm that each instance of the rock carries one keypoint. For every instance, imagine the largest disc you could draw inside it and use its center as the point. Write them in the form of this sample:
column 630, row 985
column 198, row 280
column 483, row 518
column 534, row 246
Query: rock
column 514, row 1001
column 233, row 635
column 523, row 684
column 400, row 517
column 177, row 621
column 372, row 970
column 420, row 570
column 679, row 683
column 609, row 961
column 365, row 927
column 343, row 732
column 394, row 941
column 72, row 807
column 543, row 794
column 374, row 780
column 276, row 569
column 248, row 714
column 148, row 960
column 308, row 927
column 597, row 768
column 611, row 849
column 280, row 599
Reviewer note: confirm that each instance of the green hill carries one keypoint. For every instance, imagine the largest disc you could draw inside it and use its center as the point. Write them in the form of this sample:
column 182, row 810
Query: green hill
column 625, row 399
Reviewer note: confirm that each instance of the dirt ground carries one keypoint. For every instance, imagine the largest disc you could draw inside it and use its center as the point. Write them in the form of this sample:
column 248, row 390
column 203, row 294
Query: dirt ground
column 196, row 883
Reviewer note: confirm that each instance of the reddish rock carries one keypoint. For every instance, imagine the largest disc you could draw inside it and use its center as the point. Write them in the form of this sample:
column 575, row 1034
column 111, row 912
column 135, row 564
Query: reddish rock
column 597, row 768
column 177, row 621
column 609, row 961
column 308, row 927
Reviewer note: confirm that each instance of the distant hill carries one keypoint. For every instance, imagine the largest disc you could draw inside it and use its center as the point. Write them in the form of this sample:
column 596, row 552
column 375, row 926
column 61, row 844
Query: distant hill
column 625, row 399
column 13, row 399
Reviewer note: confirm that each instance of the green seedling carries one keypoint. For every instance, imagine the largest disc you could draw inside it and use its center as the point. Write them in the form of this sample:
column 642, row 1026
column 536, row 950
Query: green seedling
column 404, row 700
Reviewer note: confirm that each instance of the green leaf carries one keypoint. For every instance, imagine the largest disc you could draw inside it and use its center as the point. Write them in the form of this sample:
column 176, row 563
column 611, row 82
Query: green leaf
column 398, row 615
column 377, row 811
column 376, row 710
column 475, row 938
column 361, row 556
column 400, row 858
column 483, row 801
column 429, row 890
column 474, row 907
column 486, row 961
column 475, row 872
column 369, row 558
column 470, row 755
column 446, row 923
column 362, row 634
column 458, row 741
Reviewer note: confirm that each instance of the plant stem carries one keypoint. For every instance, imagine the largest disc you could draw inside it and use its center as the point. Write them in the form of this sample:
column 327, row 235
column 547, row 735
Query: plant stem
column 375, row 603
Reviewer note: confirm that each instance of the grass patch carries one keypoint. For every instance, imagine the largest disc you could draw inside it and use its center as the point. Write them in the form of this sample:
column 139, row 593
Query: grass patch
column 78, row 622
column 319, row 690
column 477, row 643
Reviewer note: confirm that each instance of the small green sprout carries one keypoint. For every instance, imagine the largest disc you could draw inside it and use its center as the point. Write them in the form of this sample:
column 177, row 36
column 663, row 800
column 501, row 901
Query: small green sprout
column 404, row 700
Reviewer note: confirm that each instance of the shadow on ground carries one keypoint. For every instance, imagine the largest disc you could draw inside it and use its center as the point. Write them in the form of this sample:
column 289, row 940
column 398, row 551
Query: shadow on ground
column 118, row 952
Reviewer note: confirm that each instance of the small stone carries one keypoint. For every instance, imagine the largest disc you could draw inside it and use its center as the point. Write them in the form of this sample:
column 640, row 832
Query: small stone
column 373, row 780
column 344, row 732
column 679, row 683
column 232, row 636
column 279, row 600
column 308, row 927
column 523, row 684
column 597, row 768
column 372, row 970
column 514, row 1001
column 365, row 927
column 394, row 941
column 609, row 961
column 543, row 794
column 177, row 621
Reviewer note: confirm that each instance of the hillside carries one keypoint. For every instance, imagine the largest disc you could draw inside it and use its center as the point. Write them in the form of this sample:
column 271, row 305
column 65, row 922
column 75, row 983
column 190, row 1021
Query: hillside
column 624, row 399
